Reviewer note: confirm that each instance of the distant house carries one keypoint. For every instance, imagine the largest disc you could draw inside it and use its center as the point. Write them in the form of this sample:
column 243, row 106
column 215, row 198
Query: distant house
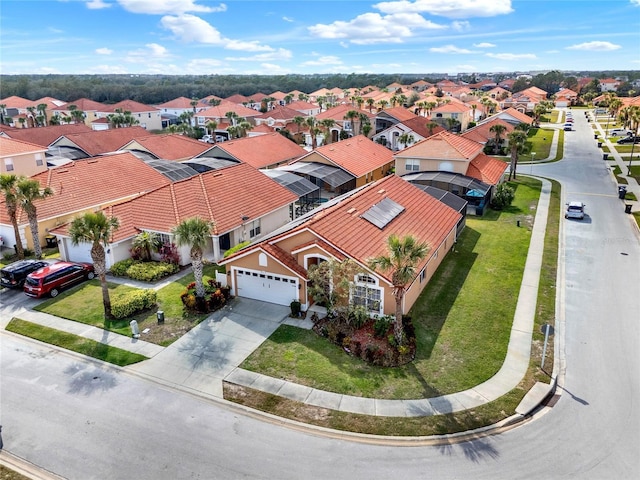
column 482, row 133
column 350, row 126
column 18, row 157
column 43, row 136
column 171, row 110
column 525, row 100
column 454, row 116
column 565, row 97
column 354, row 226
column 148, row 117
column 89, row 109
column 166, row 147
column 98, row 142
column 512, row 116
column 609, row 84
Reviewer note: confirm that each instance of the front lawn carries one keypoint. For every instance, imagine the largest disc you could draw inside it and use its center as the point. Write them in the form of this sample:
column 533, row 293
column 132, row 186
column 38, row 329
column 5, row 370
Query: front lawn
column 463, row 319
column 84, row 304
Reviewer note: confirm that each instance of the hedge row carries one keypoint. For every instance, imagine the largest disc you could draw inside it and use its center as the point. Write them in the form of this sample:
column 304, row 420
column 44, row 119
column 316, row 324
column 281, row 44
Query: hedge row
column 143, row 271
column 134, row 302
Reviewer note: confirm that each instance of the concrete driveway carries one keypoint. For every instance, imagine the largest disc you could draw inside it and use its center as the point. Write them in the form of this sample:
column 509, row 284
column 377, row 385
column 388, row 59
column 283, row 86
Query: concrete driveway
column 201, row 359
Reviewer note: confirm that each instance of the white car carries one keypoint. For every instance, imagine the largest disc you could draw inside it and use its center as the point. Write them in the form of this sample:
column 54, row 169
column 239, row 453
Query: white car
column 619, row 132
column 575, row 210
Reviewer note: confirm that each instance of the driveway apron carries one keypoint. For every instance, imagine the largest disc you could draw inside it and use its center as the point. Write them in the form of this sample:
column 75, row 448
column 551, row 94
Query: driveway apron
column 200, row 360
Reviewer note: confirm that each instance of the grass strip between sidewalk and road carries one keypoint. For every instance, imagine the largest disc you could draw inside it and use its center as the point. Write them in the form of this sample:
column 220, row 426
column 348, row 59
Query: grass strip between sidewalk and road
column 75, row 343
column 463, row 321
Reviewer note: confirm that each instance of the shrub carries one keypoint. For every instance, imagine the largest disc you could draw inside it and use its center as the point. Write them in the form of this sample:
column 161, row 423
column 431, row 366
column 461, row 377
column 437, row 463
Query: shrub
column 295, row 308
column 233, row 250
column 151, row 271
column 133, row 302
column 381, row 325
column 169, row 253
column 119, row 269
column 503, row 197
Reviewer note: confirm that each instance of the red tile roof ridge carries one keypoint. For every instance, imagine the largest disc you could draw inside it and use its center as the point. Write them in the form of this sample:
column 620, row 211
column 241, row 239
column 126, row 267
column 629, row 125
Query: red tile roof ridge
column 324, row 245
column 208, row 202
column 284, row 257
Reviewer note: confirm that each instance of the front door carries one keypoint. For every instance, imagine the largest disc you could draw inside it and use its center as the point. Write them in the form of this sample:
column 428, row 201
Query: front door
column 225, row 242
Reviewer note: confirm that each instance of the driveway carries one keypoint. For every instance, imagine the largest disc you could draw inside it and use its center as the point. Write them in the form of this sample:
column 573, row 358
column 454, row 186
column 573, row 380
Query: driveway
column 202, row 358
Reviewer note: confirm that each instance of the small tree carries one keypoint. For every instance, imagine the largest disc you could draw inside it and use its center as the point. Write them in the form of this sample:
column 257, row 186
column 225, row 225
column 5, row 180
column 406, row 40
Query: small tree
column 194, row 232
column 330, row 284
column 517, row 144
column 146, row 243
column 503, row 197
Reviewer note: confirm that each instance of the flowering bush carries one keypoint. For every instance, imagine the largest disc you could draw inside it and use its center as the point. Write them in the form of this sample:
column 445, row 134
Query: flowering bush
column 215, row 296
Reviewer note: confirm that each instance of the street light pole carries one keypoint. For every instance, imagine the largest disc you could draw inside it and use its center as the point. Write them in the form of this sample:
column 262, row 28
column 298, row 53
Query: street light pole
column 533, row 156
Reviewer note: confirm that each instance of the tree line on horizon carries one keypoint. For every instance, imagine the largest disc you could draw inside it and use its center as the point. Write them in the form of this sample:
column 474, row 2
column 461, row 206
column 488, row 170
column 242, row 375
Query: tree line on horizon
column 155, row 89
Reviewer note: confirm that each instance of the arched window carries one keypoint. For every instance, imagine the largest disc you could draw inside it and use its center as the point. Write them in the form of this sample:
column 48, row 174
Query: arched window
column 367, row 293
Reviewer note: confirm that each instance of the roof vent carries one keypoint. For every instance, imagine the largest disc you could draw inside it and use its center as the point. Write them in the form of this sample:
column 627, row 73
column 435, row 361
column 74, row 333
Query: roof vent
column 381, row 191
column 351, row 210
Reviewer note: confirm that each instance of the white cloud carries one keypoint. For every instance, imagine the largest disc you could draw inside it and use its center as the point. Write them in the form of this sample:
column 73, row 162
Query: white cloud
column 153, row 51
column 104, row 51
column 287, row 19
column 190, row 28
column 322, row 61
column 272, row 69
column 162, row 7
column 450, row 49
column 595, row 46
column 635, row 2
column 461, row 26
column 484, row 45
column 97, row 5
column 512, row 56
column 448, row 8
column 200, row 64
column 371, row 28
column 253, row 46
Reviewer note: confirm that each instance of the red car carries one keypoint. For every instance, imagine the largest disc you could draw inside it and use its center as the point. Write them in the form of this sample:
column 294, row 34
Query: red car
column 52, row 279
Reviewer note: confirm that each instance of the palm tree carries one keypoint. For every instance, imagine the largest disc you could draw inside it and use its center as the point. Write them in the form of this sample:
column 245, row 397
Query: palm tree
column 29, row 191
column 214, row 102
column 370, row 103
column 498, row 130
column 3, row 113
column 146, row 243
column 211, row 128
column 243, row 127
column 299, row 121
column 42, row 110
column 383, row 104
column 8, row 182
column 517, row 142
column 406, row 139
column 351, row 115
column 313, row 130
column 404, row 254
column 194, row 232
column 326, row 125
column 96, row 228
column 431, row 126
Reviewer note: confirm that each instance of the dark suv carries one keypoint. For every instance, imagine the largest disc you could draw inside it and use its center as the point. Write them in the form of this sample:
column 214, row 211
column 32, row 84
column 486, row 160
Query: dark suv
column 14, row 275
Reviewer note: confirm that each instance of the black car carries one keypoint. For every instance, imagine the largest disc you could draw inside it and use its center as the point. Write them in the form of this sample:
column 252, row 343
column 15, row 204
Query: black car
column 630, row 139
column 14, row 275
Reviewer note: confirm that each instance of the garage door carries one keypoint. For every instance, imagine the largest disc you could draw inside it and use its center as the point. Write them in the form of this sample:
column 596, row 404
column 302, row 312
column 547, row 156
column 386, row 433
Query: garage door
column 266, row 286
column 78, row 253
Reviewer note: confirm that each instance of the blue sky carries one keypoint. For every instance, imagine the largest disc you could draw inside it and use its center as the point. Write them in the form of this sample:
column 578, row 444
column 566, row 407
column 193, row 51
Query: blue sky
column 310, row 36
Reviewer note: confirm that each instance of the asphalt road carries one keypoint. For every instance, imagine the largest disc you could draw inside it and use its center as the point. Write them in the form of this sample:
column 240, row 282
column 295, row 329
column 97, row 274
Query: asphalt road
column 86, row 421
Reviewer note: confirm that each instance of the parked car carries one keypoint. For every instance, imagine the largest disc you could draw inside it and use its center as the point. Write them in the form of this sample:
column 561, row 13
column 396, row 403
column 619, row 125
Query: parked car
column 569, row 120
column 575, row 210
column 14, row 274
column 568, row 127
column 207, row 139
column 629, row 139
column 619, row 132
column 50, row 280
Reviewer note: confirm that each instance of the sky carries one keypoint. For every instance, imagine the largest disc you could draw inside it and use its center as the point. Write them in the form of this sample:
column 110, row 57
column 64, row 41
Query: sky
column 272, row 37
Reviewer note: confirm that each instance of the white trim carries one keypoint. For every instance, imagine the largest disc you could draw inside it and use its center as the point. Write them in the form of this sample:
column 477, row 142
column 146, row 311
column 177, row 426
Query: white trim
column 314, row 255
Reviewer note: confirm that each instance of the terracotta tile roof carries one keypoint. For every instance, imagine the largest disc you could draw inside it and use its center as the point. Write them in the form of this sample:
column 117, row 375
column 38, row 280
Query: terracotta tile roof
column 129, row 106
column 343, row 229
column 51, row 102
column 399, row 113
column 262, row 151
column 222, row 196
column 301, row 106
column 219, row 111
column 169, row 147
column 263, row 128
column 97, row 142
column 87, row 183
column 10, row 146
column 357, row 155
column 16, row 102
column 45, row 136
column 206, row 100
column 279, row 113
column 419, row 126
column 487, row 169
column 443, row 146
column 85, row 105
column 278, row 95
column 338, row 112
column 481, row 133
column 324, row 246
column 180, row 102
column 237, row 99
column 284, row 257
column 512, row 112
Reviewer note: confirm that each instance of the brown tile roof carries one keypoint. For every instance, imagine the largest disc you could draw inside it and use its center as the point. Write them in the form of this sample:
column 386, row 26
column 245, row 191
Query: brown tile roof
column 487, row 169
column 129, row 106
column 10, row 146
column 219, row 111
column 222, row 196
column 338, row 112
column 301, row 106
column 51, row 102
column 169, row 147
column 262, row 151
column 481, row 133
column 279, row 113
column 456, row 107
column 284, row 257
column 180, row 102
column 357, row 155
column 16, row 102
column 419, row 125
column 238, row 99
column 443, row 146
column 399, row 113
column 97, row 142
column 45, row 136
column 521, row 117
column 87, row 183
column 85, row 105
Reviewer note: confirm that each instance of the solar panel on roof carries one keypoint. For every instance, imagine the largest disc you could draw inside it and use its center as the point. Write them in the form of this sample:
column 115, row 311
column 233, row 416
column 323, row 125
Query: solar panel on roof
column 174, row 171
column 383, row 212
column 334, row 176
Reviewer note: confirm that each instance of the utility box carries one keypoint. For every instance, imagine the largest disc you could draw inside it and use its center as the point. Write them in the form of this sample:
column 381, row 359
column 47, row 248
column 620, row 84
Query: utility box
column 160, row 316
column 135, row 331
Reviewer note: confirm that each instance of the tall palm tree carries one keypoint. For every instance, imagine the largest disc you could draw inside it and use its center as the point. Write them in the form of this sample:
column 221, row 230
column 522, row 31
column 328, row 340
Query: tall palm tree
column 29, row 191
column 42, row 110
column 517, row 142
column 8, row 182
column 211, row 128
column 370, row 103
column 406, row 139
column 147, row 243
column 431, row 126
column 497, row 130
column 3, row 113
column 96, row 228
column 194, row 232
column 351, row 115
column 313, row 130
column 404, row 254
column 326, row 125
column 299, row 121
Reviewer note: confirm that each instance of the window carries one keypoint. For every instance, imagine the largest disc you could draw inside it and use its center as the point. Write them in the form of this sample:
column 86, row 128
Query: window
column 423, row 275
column 39, row 161
column 347, row 125
column 254, row 228
column 8, row 164
column 366, row 293
column 412, row 165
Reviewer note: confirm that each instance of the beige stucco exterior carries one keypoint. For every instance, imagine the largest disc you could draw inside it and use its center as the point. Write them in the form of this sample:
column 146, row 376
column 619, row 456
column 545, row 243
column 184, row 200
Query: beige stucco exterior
column 26, row 164
column 431, row 165
column 371, row 176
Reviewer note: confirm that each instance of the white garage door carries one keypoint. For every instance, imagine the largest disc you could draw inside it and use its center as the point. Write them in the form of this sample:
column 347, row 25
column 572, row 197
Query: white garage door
column 78, row 253
column 266, row 286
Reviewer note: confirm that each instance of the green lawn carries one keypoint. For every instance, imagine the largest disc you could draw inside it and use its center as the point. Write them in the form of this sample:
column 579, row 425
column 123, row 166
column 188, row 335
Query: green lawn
column 74, row 343
column 84, row 304
column 462, row 320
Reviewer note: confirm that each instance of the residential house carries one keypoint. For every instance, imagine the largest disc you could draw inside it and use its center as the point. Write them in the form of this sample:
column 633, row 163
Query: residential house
column 454, row 116
column 482, row 133
column 80, row 187
column 97, row 142
column 170, row 111
column 168, row 147
column 43, row 136
column 415, row 128
column 278, row 118
column 512, row 116
column 18, row 108
column 354, row 226
column 525, row 100
column 609, row 84
column 345, row 122
column 219, row 114
column 226, row 198
column 565, row 98
column 21, row 158
column 148, row 117
column 303, row 108
column 342, row 166
column 89, row 109
column 390, row 116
